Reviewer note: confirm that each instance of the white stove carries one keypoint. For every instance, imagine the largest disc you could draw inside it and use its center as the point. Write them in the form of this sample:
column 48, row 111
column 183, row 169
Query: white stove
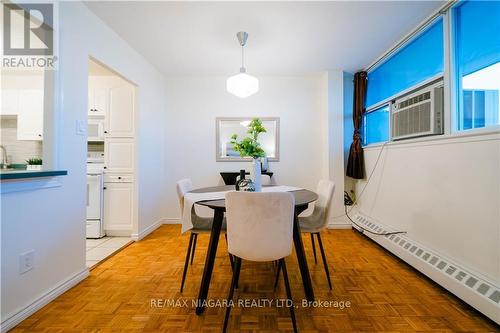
column 95, row 170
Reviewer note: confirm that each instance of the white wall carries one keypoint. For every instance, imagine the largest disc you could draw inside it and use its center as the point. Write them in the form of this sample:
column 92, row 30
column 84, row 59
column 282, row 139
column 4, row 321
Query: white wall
column 195, row 102
column 445, row 193
column 335, row 127
column 52, row 221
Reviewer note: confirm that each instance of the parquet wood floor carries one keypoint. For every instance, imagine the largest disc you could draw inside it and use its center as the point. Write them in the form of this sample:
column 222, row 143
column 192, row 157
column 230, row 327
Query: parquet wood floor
column 385, row 294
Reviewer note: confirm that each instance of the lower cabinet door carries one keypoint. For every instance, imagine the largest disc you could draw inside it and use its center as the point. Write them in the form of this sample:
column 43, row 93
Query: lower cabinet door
column 118, row 207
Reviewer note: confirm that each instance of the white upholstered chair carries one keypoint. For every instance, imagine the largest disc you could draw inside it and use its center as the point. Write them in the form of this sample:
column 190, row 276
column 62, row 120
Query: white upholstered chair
column 318, row 220
column 259, row 228
column 200, row 224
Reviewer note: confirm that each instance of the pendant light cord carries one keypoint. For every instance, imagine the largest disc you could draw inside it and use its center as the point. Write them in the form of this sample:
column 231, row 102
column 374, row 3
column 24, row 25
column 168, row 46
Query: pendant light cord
column 242, row 56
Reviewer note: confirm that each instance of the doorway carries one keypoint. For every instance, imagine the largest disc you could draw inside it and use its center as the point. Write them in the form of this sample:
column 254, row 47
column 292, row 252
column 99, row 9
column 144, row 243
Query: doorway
column 111, row 190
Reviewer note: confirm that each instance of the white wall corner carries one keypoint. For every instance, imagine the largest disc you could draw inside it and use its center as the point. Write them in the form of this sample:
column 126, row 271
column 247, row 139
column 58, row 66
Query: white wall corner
column 148, row 230
column 339, row 222
column 40, row 302
column 335, row 114
column 172, row 220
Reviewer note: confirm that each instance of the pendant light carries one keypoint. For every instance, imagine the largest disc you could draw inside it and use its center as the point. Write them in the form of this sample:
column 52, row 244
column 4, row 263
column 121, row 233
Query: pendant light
column 242, row 84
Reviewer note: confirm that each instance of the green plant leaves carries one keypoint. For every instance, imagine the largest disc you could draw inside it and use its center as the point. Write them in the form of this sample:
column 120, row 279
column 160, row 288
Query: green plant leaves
column 249, row 146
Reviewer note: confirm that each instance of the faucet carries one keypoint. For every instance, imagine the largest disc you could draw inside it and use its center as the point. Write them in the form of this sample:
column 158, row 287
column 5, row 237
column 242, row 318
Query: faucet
column 4, row 157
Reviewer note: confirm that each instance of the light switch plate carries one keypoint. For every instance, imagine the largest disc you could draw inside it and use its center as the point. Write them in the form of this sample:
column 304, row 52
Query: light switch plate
column 26, row 261
column 81, row 127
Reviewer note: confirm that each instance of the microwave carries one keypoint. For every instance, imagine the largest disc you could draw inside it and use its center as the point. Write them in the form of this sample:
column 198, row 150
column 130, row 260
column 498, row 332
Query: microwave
column 95, row 129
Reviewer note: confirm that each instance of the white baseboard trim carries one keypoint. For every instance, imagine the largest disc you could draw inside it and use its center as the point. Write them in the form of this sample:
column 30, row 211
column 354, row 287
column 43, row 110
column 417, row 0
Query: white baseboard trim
column 18, row 317
column 341, row 222
column 473, row 288
column 118, row 232
column 171, row 220
column 148, row 230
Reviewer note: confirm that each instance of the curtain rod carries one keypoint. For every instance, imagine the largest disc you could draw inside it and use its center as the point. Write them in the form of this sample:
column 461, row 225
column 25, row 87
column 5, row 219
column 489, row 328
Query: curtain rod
column 409, row 36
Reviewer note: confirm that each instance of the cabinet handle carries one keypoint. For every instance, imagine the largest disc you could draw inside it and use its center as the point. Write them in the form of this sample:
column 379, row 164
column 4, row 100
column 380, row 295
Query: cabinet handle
column 39, row 135
column 105, row 132
column 119, row 177
column 105, row 167
column 104, row 188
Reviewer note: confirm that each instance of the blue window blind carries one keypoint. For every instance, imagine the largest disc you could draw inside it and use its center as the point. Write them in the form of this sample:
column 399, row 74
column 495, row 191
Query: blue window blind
column 477, row 58
column 420, row 59
column 477, row 37
column 376, row 125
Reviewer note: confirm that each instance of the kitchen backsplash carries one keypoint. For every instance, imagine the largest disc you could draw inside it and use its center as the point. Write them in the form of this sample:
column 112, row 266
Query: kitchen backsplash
column 17, row 151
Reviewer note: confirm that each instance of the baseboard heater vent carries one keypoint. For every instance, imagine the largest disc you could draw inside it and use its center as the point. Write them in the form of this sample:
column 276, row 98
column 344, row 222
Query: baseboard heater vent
column 484, row 289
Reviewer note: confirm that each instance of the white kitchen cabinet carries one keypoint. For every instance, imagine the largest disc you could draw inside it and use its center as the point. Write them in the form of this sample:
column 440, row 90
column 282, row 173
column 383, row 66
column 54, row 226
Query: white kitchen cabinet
column 118, row 207
column 30, row 115
column 119, row 155
column 10, row 102
column 120, row 118
column 99, row 89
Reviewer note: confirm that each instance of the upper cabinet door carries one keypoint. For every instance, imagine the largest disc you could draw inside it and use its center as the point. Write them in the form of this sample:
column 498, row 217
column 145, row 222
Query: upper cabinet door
column 120, row 119
column 98, row 96
column 10, row 102
column 30, row 116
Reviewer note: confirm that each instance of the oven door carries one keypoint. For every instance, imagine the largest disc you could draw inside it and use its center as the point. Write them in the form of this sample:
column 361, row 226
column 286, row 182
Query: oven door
column 94, row 197
column 96, row 130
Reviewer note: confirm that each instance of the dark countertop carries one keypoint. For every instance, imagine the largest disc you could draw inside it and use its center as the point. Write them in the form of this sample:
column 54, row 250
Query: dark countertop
column 23, row 174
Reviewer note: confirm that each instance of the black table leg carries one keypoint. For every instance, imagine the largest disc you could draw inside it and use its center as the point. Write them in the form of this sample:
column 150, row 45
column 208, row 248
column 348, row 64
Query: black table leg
column 301, row 257
column 210, row 259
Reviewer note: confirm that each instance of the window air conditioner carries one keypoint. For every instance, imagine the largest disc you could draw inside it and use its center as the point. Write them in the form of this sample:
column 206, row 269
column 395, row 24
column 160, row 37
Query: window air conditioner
column 419, row 113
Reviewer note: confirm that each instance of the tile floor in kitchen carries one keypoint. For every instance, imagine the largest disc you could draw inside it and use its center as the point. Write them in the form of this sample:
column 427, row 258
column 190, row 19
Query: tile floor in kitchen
column 100, row 249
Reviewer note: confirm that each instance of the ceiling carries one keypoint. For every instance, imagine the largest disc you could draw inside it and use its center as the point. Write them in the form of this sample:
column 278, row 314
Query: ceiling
column 285, row 38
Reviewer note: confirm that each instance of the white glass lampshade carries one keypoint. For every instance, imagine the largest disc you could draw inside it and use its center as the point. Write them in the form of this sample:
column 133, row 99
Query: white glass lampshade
column 242, row 85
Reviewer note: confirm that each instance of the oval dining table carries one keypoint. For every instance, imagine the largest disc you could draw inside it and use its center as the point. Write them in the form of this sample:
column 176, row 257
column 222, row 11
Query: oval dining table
column 302, row 199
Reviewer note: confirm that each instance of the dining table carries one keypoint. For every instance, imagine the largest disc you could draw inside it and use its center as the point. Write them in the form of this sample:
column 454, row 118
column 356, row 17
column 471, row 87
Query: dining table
column 302, row 199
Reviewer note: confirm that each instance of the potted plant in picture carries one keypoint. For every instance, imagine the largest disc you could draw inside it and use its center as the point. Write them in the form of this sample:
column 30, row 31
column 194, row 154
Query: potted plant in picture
column 250, row 147
column 34, row 163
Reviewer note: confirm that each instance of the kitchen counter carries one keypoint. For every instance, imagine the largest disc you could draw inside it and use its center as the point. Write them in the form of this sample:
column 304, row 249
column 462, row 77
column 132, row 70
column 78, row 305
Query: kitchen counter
column 23, row 173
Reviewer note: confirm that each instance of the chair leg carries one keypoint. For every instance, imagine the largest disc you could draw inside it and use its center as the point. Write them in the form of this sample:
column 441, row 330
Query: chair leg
column 187, row 260
column 288, row 293
column 314, row 248
column 234, row 282
column 324, row 260
column 231, row 259
column 277, row 275
column 194, row 247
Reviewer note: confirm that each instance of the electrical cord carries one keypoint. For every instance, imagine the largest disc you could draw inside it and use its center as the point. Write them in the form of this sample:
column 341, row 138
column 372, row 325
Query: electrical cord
column 372, row 232
column 353, row 203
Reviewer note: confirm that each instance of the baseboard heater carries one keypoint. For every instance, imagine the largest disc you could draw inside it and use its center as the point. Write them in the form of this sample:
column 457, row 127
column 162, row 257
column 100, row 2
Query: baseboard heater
column 476, row 291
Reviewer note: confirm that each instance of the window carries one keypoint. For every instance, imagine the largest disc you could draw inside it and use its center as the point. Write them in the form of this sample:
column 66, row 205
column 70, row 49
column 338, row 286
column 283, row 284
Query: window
column 376, row 125
column 477, row 58
column 420, row 59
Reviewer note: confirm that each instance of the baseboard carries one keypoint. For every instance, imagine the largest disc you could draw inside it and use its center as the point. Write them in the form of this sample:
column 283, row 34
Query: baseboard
column 474, row 289
column 171, row 220
column 148, row 230
column 15, row 319
column 340, row 222
column 118, row 232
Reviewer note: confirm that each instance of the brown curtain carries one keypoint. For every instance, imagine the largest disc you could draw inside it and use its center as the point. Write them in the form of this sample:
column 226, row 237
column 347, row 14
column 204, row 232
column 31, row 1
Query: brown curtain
column 356, row 163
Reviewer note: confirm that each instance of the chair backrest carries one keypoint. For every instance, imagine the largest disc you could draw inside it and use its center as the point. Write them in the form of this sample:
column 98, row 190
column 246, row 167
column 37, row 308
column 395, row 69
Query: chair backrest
column 260, row 225
column 325, row 191
column 183, row 186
